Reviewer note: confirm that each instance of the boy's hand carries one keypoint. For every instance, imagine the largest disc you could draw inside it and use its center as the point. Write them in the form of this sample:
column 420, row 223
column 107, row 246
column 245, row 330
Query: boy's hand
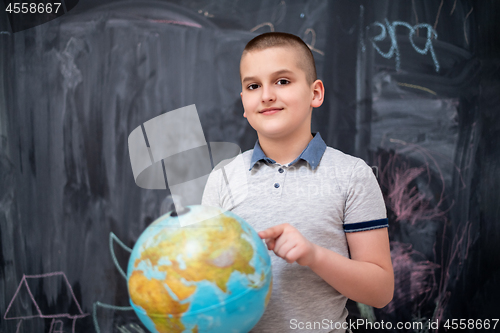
column 289, row 244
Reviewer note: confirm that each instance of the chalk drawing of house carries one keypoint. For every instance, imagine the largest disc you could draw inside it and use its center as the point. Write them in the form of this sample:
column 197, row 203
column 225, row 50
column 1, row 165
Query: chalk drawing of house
column 25, row 301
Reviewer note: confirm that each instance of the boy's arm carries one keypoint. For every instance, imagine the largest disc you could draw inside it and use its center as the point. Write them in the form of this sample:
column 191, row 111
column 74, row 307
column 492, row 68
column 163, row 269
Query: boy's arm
column 366, row 278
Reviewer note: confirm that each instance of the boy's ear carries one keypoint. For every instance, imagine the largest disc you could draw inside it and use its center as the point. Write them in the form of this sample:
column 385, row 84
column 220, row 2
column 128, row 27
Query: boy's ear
column 244, row 113
column 318, row 93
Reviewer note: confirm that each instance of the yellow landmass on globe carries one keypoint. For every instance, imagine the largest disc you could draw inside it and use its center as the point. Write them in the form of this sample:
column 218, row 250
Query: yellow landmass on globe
column 268, row 296
column 151, row 295
column 208, row 251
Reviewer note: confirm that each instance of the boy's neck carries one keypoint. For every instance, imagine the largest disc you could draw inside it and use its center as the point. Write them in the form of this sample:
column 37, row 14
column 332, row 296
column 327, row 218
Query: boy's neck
column 285, row 150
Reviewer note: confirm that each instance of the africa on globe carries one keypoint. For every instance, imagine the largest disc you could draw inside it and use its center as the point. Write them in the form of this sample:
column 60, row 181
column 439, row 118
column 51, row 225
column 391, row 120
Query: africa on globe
column 210, row 276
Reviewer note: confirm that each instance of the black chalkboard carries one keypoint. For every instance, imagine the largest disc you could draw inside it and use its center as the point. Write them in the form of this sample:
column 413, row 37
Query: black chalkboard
column 411, row 87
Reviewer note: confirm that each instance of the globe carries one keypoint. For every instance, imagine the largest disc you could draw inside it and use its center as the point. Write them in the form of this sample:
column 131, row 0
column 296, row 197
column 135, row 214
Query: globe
column 210, row 276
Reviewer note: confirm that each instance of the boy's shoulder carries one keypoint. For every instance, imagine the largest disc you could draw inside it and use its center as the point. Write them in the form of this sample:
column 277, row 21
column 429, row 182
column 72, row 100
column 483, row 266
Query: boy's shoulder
column 236, row 163
column 331, row 158
column 344, row 169
column 337, row 158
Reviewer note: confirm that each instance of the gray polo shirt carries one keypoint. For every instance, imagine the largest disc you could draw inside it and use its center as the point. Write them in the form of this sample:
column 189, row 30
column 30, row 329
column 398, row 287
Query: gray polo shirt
column 324, row 193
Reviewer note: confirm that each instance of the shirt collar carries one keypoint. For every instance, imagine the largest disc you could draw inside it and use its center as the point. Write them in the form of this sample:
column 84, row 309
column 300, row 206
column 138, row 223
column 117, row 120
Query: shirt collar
column 312, row 154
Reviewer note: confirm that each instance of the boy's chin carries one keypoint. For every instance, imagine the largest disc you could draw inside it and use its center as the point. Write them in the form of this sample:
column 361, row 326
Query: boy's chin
column 268, row 131
column 273, row 134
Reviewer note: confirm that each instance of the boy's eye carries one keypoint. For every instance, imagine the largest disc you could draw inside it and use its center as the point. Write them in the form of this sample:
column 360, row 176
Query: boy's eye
column 283, row 81
column 252, row 86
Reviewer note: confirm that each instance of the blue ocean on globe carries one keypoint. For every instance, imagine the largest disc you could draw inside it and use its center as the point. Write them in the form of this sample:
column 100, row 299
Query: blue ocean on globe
column 212, row 274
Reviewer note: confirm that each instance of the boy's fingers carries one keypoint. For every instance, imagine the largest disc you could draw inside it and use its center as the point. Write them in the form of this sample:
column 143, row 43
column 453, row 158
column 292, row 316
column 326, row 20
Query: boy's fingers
column 270, row 244
column 292, row 255
column 273, row 232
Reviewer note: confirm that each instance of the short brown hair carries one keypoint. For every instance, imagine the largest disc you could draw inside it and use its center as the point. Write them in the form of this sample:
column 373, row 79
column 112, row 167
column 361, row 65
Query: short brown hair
column 282, row 39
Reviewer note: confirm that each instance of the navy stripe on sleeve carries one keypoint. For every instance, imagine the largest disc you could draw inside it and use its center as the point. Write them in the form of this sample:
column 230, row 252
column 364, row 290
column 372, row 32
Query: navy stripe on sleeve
column 367, row 225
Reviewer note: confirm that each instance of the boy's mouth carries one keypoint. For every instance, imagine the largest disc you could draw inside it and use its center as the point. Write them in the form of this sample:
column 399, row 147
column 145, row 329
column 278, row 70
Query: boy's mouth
column 269, row 111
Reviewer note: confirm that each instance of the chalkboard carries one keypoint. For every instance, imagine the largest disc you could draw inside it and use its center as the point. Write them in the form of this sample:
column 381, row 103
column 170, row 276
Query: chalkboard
column 411, row 87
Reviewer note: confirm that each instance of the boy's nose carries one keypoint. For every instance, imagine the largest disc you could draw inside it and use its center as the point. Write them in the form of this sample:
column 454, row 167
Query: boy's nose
column 268, row 94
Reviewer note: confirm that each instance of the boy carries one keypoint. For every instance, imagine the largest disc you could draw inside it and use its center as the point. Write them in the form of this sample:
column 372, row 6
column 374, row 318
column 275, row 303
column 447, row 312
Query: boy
column 320, row 211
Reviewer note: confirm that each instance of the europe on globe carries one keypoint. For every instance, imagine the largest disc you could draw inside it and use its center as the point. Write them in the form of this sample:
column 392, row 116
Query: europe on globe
column 211, row 276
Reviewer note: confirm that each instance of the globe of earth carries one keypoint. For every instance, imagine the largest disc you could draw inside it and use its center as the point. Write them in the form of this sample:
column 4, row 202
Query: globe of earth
column 210, row 276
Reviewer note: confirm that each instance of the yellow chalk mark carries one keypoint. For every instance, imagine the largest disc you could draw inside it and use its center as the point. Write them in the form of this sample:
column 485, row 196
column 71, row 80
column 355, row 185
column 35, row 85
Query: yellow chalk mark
column 437, row 16
column 313, row 40
column 257, row 27
column 414, row 86
column 465, row 23
column 454, row 5
column 398, row 141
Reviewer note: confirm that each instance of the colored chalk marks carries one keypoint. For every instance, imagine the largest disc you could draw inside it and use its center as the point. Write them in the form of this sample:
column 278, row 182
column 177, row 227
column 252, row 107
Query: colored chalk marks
column 24, row 304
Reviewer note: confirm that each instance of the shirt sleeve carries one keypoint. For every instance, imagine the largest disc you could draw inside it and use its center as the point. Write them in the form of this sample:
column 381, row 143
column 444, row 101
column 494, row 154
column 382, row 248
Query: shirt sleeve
column 227, row 184
column 365, row 208
column 211, row 193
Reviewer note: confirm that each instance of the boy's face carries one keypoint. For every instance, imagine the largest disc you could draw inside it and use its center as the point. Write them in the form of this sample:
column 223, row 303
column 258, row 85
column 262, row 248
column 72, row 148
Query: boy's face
column 276, row 96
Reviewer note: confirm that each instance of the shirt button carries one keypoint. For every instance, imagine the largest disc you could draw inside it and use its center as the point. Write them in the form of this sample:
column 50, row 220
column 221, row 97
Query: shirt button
column 281, row 170
column 276, row 185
